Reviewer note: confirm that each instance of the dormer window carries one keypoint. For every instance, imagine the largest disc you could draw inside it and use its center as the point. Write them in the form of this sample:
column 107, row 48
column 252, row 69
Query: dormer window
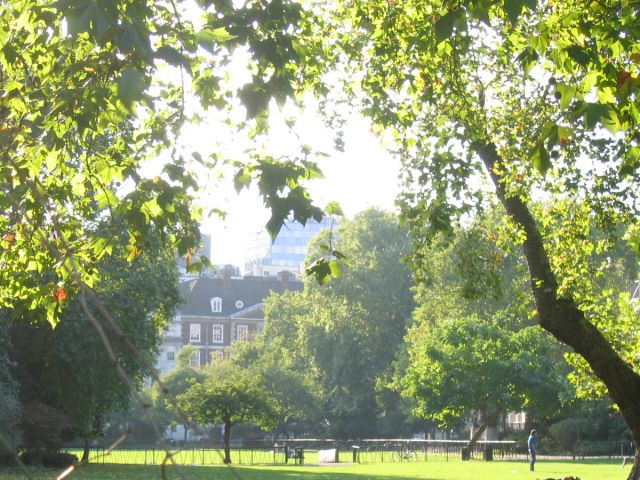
column 216, row 305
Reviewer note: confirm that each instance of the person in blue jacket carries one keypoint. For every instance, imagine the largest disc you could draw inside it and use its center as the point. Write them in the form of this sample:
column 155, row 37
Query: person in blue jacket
column 532, row 445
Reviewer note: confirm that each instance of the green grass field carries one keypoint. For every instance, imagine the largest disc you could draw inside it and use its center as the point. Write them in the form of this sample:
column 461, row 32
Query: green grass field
column 474, row 470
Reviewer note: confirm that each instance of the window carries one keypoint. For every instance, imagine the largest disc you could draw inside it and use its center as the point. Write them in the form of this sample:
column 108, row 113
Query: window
column 218, row 333
column 194, row 332
column 174, row 329
column 239, row 304
column 216, row 304
column 216, row 355
column 195, row 359
column 171, row 356
column 242, row 332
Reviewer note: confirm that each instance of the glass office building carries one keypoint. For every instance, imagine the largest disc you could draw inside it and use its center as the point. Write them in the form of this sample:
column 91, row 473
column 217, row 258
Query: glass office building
column 287, row 252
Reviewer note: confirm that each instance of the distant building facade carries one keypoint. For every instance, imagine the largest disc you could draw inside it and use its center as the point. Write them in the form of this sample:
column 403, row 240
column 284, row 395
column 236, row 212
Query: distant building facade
column 218, row 311
column 287, row 252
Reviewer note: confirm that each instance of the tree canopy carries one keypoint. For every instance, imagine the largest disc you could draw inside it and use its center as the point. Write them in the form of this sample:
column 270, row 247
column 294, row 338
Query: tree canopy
column 346, row 332
column 536, row 100
column 533, row 99
column 474, row 308
column 91, row 91
column 228, row 395
column 68, row 369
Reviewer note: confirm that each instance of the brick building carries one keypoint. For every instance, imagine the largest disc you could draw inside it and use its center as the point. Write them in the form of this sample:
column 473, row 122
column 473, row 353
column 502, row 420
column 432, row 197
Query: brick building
column 217, row 311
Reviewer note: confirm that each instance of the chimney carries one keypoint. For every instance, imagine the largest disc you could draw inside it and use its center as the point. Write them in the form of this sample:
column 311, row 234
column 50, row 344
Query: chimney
column 284, row 277
column 225, row 273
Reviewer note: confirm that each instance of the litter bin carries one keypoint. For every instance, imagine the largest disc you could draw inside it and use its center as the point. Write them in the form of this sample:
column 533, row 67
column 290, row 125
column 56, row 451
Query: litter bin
column 488, row 453
column 466, row 453
column 356, row 453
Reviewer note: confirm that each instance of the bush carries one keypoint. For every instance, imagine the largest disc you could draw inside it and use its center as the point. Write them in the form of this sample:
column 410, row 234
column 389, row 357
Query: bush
column 566, row 433
column 48, row 458
column 44, row 428
column 7, row 459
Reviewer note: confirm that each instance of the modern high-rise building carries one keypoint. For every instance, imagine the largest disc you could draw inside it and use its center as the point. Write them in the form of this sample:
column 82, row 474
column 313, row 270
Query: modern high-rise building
column 287, row 252
column 204, row 249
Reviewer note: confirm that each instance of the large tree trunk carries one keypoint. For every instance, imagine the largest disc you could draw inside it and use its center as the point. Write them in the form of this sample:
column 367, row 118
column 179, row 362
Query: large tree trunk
column 227, row 442
column 477, row 434
column 562, row 317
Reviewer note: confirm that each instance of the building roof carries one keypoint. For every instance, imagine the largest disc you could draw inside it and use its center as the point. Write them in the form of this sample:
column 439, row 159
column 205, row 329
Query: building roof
column 240, row 296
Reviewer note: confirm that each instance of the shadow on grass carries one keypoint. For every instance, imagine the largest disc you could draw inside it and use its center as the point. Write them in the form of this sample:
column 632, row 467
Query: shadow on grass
column 217, row 472
column 588, row 470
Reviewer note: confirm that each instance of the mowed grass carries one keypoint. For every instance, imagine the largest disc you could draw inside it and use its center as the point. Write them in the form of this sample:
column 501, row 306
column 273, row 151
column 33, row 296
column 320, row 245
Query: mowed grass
column 474, row 470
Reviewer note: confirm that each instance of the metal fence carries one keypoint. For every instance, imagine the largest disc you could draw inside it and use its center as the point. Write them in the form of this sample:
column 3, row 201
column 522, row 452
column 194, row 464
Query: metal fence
column 373, row 451
column 183, row 456
column 363, row 451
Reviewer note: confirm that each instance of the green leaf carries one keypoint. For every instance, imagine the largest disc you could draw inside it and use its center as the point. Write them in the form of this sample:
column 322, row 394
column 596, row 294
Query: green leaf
column 567, row 94
column 173, row 57
column 135, row 39
column 606, row 115
column 513, row 9
column 336, row 268
column 254, row 98
column 208, row 38
column 528, row 58
column 131, row 85
column 631, row 161
column 444, row 26
column 579, row 55
column 242, row 179
column 334, row 208
column 320, row 270
column 540, row 158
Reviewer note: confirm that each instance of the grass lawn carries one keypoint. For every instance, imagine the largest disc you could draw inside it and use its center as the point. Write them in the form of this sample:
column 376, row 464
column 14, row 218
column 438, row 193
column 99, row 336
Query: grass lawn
column 474, row 470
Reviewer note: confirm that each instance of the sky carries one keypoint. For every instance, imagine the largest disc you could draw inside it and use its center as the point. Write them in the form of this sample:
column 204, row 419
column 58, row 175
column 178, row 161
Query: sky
column 362, row 176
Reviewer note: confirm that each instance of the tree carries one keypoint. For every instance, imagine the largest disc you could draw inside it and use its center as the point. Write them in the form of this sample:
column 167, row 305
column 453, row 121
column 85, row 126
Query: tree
column 176, row 382
column 9, row 395
column 93, row 90
column 293, row 394
column 347, row 331
column 512, row 371
column 474, row 308
column 522, row 94
column 228, row 395
column 69, row 370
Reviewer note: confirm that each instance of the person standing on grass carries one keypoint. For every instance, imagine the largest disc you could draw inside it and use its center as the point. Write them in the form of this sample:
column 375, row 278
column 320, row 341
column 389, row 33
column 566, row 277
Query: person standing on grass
column 532, row 444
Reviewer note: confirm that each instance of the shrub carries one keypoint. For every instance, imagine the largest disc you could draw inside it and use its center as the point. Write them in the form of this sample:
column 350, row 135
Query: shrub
column 48, row 458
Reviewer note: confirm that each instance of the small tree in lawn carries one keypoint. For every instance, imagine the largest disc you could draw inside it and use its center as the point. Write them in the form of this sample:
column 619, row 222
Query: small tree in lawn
column 228, row 395
column 176, row 382
column 293, row 393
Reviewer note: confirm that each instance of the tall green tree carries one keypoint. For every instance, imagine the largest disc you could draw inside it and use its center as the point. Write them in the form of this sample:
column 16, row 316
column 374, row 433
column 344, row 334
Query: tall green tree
column 474, row 308
column 535, row 97
column 68, row 369
column 348, row 330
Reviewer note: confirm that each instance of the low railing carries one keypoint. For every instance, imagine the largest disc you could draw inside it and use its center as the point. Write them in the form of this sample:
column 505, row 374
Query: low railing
column 363, row 451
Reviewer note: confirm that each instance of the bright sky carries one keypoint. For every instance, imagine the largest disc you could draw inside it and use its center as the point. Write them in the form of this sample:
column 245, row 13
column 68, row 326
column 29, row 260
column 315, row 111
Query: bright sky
column 362, row 176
